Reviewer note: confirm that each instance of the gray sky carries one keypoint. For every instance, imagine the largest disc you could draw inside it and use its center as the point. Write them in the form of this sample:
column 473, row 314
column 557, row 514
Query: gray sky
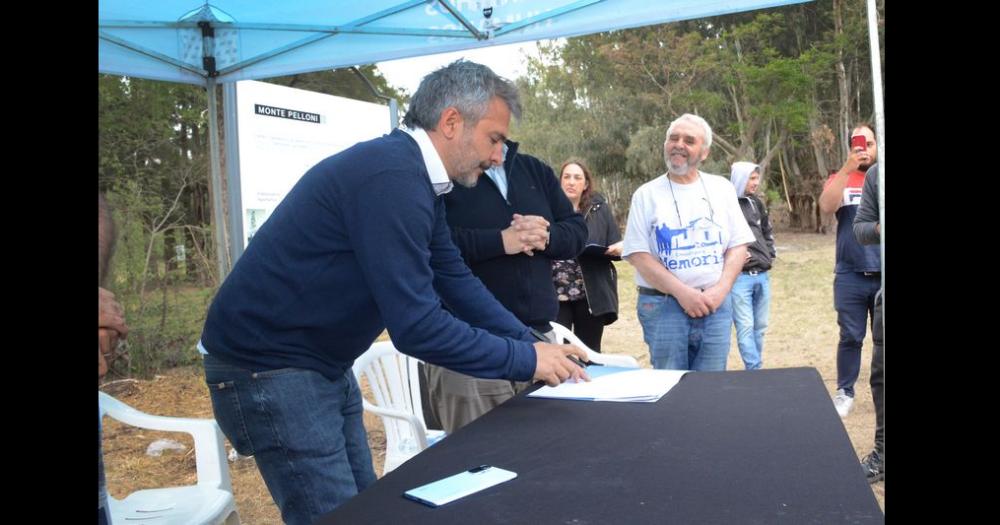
column 507, row 61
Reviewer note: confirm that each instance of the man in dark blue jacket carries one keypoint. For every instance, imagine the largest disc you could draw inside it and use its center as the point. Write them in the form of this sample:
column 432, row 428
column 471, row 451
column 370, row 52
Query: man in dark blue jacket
column 509, row 228
column 359, row 245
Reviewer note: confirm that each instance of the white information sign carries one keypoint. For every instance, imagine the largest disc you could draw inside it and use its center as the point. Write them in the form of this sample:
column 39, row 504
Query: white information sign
column 285, row 131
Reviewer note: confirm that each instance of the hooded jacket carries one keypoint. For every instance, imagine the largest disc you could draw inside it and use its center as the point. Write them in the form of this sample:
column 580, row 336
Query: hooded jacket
column 762, row 249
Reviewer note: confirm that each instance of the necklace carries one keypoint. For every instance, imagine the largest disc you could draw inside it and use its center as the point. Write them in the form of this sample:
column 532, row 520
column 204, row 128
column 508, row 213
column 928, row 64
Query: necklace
column 711, row 210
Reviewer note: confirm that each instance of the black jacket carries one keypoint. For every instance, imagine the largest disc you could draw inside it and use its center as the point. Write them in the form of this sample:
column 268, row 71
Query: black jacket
column 599, row 275
column 522, row 283
column 762, row 250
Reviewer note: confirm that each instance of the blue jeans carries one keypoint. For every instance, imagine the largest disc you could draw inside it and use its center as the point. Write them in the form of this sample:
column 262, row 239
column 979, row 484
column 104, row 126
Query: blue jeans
column 103, row 516
column 854, row 299
column 304, row 430
column 751, row 301
column 679, row 342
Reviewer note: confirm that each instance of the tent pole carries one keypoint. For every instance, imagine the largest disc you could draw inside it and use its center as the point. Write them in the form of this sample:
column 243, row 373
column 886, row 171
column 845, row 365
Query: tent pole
column 876, row 56
column 233, row 183
column 393, row 114
column 393, row 105
column 218, row 212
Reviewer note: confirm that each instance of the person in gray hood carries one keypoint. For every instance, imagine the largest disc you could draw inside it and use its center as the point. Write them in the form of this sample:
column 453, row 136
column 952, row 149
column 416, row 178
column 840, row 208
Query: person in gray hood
column 752, row 289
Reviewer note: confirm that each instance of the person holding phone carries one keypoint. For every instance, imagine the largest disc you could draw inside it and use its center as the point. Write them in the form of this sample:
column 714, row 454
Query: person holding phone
column 858, row 268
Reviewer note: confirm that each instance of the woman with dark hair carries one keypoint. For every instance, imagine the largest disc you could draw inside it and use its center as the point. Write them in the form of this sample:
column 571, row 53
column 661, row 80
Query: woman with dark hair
column 588, row 285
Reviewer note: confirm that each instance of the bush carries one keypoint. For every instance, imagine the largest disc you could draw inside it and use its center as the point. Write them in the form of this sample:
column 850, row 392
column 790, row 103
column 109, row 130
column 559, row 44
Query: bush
column 164, row 312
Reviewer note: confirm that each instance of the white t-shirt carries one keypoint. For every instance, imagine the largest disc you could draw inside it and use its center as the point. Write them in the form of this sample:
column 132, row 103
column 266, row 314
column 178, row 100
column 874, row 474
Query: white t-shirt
column 693, row 245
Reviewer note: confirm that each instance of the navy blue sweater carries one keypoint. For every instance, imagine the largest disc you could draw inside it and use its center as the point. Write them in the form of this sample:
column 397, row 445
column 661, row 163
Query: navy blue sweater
column 477, row 215
column 360, row 244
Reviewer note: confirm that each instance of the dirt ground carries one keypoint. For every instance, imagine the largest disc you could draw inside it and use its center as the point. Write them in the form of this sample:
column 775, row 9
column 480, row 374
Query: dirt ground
column 803, row 332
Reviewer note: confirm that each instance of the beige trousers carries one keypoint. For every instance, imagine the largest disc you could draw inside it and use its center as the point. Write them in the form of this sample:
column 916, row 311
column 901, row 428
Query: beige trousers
column 457, row 399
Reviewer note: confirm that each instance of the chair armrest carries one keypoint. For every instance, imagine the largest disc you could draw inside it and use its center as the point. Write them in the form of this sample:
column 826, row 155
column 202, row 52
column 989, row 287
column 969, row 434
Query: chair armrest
column 209, row 444
column 418, row 425
column 624, row 361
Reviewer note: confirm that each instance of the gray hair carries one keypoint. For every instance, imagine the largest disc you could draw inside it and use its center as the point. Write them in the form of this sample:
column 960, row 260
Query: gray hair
column 467, row 86
column 694, row 119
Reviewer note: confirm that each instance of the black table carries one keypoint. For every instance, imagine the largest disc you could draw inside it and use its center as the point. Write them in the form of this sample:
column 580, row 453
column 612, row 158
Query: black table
column 763, row 446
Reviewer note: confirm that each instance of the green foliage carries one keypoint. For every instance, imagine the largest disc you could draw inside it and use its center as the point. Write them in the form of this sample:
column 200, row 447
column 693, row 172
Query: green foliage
column 346, row 83
column 153, row 168
column 164, row 313
column 764, row 80
column 645, row 151
column 164, row 329
column 767, row 81
column 771, row 196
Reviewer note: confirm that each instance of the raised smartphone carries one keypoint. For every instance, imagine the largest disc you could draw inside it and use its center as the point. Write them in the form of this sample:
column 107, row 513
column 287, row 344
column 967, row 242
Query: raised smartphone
column 460, row 485
column 859, row 141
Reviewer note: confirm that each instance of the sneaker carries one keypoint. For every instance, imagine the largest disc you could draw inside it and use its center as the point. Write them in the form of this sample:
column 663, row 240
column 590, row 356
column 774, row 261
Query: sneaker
column 874, row 466
column 842, row 402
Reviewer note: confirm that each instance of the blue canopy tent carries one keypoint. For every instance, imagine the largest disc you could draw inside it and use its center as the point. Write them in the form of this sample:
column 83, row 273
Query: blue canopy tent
column 224, row 41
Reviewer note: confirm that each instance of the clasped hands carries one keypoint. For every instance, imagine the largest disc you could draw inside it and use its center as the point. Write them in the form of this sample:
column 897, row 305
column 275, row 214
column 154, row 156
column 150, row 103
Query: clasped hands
column 525, row 234
column 700, row 303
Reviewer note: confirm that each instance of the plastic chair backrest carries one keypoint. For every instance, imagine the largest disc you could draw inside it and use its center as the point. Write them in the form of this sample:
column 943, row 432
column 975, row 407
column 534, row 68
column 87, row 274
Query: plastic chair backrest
column 210, row 501
column 564, row 334
column 395, row 386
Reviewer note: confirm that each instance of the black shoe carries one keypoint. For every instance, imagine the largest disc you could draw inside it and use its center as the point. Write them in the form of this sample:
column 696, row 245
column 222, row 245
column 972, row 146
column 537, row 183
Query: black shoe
column 874, row 466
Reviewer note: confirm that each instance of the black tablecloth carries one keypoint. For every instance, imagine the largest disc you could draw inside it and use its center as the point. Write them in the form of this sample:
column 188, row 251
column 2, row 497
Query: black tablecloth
column 762, row 446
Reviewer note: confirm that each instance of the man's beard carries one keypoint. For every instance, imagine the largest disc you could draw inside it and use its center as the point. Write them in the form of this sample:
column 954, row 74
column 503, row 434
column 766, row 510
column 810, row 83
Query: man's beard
column 682, row 170
column 468, row 180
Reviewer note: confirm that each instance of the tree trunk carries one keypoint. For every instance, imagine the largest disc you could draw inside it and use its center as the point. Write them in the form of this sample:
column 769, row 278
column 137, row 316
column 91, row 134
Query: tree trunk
column 784, row 180
column 770, row 151
column 816, row 136
column 807, row 206
column 767, row 150
column 169, row 261
column 844, row 116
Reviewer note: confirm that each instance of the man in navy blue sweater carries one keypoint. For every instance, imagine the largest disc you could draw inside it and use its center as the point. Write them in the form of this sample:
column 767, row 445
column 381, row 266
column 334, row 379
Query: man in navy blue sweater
column 360, row 244
column 509, row 228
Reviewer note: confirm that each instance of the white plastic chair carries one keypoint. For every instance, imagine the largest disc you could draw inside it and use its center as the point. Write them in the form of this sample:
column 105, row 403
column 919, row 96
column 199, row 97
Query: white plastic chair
column 624, row 361
column 209, row 502
column 395, row 385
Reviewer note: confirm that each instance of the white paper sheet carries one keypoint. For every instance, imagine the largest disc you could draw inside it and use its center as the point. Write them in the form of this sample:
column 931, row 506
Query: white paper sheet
column 608, row 383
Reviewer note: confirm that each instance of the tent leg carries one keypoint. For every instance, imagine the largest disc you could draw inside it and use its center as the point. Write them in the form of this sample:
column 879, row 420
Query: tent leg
column 879, row 127
column 218, row 212
column 233, row 183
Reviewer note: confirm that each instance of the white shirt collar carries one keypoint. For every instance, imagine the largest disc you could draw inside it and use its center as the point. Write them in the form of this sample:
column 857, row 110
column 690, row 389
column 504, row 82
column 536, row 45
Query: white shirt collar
column 435, row 167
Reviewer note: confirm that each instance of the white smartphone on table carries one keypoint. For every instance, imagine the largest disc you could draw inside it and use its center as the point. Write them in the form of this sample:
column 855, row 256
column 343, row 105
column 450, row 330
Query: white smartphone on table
column 460, row 485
